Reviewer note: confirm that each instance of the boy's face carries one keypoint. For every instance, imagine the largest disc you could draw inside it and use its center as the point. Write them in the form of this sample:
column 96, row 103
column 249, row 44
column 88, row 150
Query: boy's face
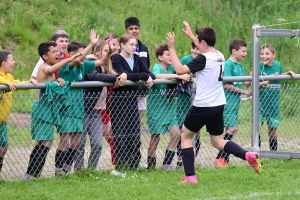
column 130, row 46
column 267, row 56
column 133, row 30
column 51, row 57
column 78, row 60
column 8, row 65
column 195, row 52
column 240, row 54
column 165, row 58
column 62, row 44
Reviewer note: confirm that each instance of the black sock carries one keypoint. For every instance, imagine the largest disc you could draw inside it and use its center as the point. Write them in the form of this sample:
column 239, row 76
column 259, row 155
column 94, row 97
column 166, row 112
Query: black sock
column 259, row 143
column 179, row 154
column 33, row 161
column 59, row 158
column 223, row 154
column 69, row 158
column 169, row 157
column 235, row 149
column 151, row 162
column 42, row 155
column 1, row 163
column 198, row 144
column 188, row 159
column 273, row 144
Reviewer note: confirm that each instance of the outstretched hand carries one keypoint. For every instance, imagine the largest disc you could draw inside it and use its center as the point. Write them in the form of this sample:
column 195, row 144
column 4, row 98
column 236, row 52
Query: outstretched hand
column 171, row 40
column 61, row 81
column 94, row 37
column 75, row 56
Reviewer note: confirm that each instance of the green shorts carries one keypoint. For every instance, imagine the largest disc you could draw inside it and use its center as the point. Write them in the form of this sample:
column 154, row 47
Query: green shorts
column 273, row 118
column 3, row 135
column 156, row 128
column 70, row 125
column 183, row 107
column 41, row 130
column 230, row 118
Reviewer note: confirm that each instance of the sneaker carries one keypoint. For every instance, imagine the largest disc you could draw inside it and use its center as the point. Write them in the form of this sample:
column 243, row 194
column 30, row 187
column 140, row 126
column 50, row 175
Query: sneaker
column 221, row 162
column 60, row 172
column 255, row 162
column 116, row 173
column 28, row 177
column 190, row 179
column 143, row 165
column 167, row 167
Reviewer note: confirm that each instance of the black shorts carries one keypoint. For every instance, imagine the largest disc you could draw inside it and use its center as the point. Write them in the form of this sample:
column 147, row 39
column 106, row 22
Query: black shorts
column 212, row 117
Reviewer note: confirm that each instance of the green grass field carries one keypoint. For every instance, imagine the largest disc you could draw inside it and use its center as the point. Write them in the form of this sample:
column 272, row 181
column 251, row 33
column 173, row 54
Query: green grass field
column 280, row 180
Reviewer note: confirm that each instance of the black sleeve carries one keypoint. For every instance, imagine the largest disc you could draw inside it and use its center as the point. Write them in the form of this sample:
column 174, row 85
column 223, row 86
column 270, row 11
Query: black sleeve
column 117, row 64
column 147, row 71
column 197, row 64
column 98, row 76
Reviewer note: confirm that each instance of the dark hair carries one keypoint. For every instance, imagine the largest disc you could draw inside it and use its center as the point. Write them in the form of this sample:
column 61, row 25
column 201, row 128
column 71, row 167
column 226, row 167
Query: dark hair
column 131, row 21
column 193, row 45
column 236, row 44
column 159, row 51
column 75, row 45
column 208, row 34
column 3, row 55
column 44, row 48
column 59, row 33
column 125, row 38
column 115, row 36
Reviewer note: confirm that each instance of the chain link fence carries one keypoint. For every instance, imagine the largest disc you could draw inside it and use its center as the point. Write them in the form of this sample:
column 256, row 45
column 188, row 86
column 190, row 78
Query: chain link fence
column 121, row 125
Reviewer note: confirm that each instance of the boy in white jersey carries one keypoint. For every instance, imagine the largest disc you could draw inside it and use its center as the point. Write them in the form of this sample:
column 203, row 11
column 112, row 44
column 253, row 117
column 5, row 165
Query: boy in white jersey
column 209, row 101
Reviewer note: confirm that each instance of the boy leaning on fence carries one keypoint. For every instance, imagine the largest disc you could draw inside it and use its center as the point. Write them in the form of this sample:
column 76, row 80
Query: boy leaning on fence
column 209, row 101
column 162, row 118
column 269, row 93
column 71, row 116
column 233, row 91
column 6, row 67
column 45, row 109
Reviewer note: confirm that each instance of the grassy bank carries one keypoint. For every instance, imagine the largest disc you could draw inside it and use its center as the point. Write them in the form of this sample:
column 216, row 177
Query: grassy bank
column 27, row 23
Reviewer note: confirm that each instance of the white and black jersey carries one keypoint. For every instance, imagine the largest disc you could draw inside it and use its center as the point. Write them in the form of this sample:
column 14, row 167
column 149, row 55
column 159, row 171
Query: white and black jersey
column 209, row 68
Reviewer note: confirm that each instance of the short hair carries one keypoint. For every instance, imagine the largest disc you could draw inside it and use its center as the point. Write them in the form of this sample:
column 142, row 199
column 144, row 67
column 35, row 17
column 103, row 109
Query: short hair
column 268, row 46
column 44, row 48
column 115, row 36
column 236, row 44
column 59, row 33
column 3, row 55
column 125, row 38
column 75, row 45
column 159, row 51
column 132, row 21
column 208, row 34
column 194, row 45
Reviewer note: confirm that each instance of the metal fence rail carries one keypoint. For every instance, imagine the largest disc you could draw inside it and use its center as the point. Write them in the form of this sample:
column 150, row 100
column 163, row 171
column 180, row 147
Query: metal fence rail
column 21, row 143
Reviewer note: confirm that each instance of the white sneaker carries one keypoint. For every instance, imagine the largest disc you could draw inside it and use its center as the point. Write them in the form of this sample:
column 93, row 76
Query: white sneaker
column 143, row 166
column 28, row 177
column 116, row 173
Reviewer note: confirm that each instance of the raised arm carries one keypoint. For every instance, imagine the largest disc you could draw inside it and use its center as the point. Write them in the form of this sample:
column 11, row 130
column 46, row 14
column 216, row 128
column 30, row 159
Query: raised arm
column 179, row 68
column 51, row 69
column 188, row 32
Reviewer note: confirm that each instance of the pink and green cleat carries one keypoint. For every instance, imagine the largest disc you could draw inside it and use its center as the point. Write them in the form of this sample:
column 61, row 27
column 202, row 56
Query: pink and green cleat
column 255, row 162
column 189, row 179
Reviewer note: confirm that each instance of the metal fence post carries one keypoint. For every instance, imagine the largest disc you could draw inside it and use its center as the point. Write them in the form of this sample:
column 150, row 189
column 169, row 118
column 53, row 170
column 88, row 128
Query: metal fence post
column 255, row 88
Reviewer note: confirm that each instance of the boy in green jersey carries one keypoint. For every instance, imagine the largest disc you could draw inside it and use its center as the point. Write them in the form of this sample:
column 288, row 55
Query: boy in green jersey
column 269, row 92
column 71, row 116
column 233, row 91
